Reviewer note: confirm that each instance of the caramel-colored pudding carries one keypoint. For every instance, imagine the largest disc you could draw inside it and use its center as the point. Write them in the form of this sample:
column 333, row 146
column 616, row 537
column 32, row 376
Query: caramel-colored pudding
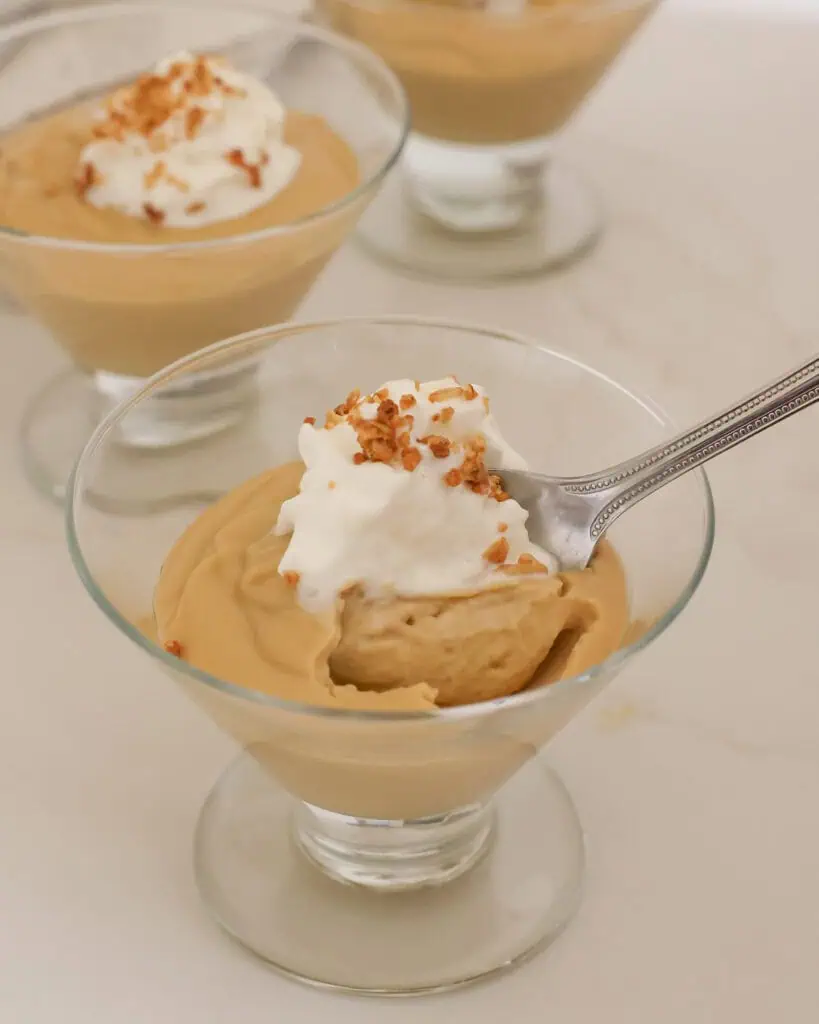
column 223, row 606
column 133, row 312
column 475, row 76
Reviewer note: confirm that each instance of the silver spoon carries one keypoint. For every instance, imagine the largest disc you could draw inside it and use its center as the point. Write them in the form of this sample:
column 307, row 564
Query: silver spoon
column 569, row 516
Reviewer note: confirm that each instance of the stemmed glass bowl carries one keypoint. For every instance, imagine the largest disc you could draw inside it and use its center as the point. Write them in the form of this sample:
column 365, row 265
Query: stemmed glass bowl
column 384, row 852
column 122, row 311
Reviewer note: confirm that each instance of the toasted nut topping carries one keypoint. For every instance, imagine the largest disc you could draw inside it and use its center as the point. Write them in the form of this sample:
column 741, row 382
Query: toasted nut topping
column 381, row 450
column 387, row 411
column 503, row 527
column 193, row 121
column 311, row 420
column 382, row 394
column 454, row 478
column 410, row 459
column 236, row 158
column 469, row 392
column 87, row 178
column 359, row 458
column 349, row 403
column 445, row 394
column 155, row 175
column 154, row 215
column 439, row 446
column 498, row 551
column 408, row 401
column 173, row 647
column 291, row 578
column 525, row 566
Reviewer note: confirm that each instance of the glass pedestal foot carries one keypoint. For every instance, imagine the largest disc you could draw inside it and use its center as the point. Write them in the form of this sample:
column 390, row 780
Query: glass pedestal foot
column 563, row 225
column 514, row 897
column 62, row 415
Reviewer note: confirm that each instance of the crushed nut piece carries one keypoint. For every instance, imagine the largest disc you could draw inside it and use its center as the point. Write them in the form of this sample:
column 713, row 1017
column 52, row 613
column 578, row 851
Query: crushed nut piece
column 438, row 445
column 387, row 411
column 155, row 175
column 408, row 401
column 349, row 403
column 454, row 478
column 469, row 392
column 173, row 647
column 503, row 527
column 310, row 420
column 410, row 459
column 381, row 450
column 498, row 551
column 526, row 565
column 291, row 578
column 359, row 457
column 193, row 122
column 154, row 215
column 445, row 394
column 236, row 158
column 87, row 178
column 178, row 183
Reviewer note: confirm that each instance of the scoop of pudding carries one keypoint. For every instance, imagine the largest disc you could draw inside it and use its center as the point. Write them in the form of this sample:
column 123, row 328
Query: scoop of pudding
column 388, row 570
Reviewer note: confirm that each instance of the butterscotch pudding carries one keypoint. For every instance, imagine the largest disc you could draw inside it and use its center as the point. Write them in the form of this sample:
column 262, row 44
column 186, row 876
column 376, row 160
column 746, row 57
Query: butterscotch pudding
column 491, row 83
column 145, row 214
column 194, row 152
column 387, row 569
column 492, row 71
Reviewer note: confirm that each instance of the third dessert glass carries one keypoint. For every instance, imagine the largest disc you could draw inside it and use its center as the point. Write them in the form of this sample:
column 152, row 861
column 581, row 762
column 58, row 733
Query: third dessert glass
column 196, row 205
column 491, row 83
column 463, row 849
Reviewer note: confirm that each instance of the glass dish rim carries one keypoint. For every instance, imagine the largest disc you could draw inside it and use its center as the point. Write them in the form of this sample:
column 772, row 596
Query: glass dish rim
column 459, row 713
column 77, row 14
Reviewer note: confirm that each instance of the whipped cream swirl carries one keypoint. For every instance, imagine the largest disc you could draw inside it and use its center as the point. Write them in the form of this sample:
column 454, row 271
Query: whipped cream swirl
column 397, row 498
column 193, row 143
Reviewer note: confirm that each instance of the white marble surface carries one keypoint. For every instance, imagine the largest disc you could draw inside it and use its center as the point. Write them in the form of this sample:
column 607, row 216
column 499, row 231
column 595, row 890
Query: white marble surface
column 697, row 774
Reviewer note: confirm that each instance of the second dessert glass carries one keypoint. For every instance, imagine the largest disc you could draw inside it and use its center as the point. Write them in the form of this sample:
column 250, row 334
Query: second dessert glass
column 122, row 312
column 491, row 84
column 387, row 853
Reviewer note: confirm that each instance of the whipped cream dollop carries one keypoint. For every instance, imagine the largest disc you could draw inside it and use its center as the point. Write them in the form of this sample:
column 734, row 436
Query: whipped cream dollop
column 397, row 498
column 193, row 143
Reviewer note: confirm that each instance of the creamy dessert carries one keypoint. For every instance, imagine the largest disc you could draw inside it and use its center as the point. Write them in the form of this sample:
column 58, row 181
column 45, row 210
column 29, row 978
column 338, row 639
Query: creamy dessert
column 387, row 569
column 195, row 151
column 492, row 71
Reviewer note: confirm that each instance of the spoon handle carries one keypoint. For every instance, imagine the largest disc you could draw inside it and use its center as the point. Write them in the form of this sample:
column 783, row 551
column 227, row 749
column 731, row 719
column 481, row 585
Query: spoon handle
column 623, row 486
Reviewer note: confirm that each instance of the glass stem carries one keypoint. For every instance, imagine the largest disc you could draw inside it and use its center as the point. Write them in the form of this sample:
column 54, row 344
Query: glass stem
column 394, row 855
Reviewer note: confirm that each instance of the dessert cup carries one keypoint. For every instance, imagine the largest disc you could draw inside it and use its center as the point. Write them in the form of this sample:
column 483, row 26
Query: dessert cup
column 491, row 85
column 377, row 852
column 123, row 311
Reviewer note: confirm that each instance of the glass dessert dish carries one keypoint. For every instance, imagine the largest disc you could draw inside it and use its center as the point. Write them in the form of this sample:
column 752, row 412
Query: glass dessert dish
column 126, row 292
column 491, row 84
column 389, row 852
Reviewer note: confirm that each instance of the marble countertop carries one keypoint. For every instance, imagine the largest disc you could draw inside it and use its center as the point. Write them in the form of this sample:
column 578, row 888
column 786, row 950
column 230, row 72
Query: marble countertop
column 696, row 774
